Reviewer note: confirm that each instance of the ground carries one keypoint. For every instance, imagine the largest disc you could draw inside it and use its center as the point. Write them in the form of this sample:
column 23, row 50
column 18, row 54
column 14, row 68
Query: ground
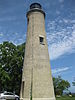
column 66, row 98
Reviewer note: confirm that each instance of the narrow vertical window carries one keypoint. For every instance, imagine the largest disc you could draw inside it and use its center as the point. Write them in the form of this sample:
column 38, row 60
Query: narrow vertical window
column 23, row 89
column 28, row 20
column 41, row 39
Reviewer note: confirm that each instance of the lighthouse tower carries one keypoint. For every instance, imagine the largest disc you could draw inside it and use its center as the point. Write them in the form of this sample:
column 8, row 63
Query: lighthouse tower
column 37, row 81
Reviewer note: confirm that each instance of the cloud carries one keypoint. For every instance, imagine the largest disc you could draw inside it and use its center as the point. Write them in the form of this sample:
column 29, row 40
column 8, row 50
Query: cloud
column 10, row 18
column 61, row 1
column 58, row 70
column 1, row 34
column 57, row 12
column 20, row 38
column 61, row 37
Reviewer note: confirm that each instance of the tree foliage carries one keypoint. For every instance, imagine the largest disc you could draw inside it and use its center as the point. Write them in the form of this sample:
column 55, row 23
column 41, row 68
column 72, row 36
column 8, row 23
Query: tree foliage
column 73, row 82
column 60, row 85
column 11, row 62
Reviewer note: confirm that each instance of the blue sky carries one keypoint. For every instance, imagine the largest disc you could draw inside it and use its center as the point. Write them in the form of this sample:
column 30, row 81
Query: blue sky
column 60, row 29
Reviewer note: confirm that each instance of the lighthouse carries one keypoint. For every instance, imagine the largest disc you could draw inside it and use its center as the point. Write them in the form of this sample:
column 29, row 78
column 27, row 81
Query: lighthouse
column 37, row 83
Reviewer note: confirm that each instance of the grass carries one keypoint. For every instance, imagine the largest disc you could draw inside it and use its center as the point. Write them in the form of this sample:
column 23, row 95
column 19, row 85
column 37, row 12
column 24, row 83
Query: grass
column 66, row 98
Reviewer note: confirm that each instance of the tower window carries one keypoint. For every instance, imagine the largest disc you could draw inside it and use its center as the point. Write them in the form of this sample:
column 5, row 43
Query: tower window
column 28, row 20
column 41, row 40
column 23, row 89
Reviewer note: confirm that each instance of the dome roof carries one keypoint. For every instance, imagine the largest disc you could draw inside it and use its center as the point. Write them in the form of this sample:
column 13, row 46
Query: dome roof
column 35, row 5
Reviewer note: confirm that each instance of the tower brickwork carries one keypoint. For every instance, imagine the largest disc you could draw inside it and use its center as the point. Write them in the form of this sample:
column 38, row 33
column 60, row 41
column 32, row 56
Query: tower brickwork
column 37, row 81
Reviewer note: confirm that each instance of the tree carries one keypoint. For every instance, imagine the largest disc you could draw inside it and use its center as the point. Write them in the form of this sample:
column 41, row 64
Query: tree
column 3, row 78
column 11, row 62
column 60, row 85
column 73, row 82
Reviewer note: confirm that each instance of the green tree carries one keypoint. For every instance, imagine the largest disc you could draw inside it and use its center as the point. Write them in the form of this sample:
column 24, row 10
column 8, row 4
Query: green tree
column 3, row 78
column 60, row 85
column 11, row 62
column 73, row 82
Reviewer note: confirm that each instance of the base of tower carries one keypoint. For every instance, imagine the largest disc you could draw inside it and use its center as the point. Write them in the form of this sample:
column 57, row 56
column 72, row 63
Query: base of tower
column 38, row 98
column 44, row 98
column 24, row 98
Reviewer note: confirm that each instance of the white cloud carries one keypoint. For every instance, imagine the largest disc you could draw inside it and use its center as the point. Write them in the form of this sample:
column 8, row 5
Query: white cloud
column 61, row 1
column 65, row 20
column 61, row 38
column 15, row 33
column 1, row 34
column 58, row 70
column 58, row 12
column 69, row 21
column 10, row 18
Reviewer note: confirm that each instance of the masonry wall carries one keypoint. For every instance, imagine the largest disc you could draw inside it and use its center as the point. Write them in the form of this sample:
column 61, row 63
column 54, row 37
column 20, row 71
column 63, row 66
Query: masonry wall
column 36, row 78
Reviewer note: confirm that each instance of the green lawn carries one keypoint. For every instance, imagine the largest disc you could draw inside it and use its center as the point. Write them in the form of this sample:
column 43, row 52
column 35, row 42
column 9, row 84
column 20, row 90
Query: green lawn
column 66, row 98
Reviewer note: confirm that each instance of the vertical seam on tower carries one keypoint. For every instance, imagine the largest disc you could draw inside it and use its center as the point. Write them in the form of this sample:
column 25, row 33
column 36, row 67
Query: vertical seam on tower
column 32, row 56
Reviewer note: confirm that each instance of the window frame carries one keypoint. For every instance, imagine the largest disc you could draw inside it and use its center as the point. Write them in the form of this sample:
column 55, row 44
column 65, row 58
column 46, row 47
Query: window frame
column 41, row 40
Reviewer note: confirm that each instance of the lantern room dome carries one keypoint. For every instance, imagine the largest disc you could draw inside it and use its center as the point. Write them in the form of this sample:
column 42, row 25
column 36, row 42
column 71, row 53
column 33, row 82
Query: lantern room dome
column 35, row 5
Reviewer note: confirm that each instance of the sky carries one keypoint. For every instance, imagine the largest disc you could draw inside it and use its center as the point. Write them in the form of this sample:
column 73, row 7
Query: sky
column 60, row 30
